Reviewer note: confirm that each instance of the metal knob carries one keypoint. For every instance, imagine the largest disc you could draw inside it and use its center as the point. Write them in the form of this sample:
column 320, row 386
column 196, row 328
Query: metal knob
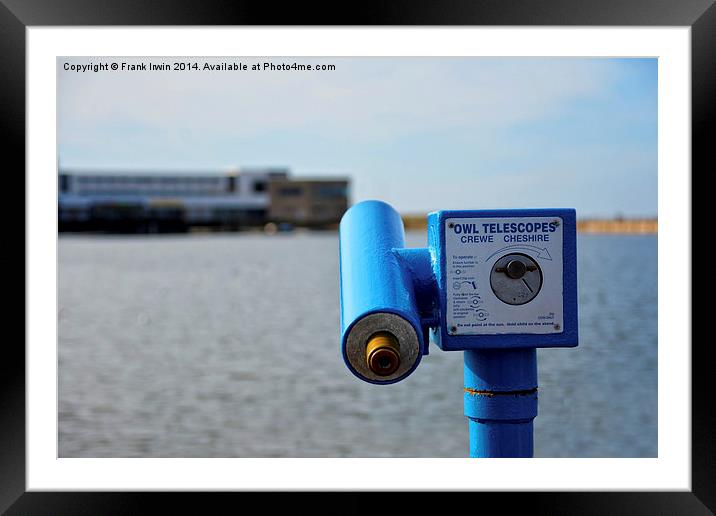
column 516, row 279
column 516, row 269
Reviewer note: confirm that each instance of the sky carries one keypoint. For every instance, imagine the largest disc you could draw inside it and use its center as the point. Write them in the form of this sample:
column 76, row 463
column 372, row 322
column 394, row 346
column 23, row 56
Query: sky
column 420, row 133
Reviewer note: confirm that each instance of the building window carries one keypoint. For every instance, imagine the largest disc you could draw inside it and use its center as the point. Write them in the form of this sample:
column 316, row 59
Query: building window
column 259, row 186
column 290, row 191
column 332, row 191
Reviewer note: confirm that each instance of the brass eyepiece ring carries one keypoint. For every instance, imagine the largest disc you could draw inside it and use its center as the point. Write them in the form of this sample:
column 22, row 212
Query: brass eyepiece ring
column 383, row 354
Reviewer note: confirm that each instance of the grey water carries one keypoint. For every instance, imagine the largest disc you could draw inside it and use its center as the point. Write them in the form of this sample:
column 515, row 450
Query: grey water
column 227, row 345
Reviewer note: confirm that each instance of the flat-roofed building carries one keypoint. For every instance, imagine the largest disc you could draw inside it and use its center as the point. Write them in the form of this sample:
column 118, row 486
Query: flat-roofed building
column 138, row 200
column 308, row 202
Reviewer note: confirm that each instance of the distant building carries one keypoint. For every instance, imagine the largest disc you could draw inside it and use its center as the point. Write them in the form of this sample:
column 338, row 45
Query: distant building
column 157, row 202
column 308, row 202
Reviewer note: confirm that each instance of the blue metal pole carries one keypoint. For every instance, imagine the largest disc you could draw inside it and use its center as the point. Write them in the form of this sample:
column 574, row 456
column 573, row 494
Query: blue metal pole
column 501, row 401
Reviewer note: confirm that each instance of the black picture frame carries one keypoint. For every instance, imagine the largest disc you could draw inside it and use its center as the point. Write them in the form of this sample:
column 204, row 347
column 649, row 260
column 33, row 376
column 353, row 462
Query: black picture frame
column 16, row 15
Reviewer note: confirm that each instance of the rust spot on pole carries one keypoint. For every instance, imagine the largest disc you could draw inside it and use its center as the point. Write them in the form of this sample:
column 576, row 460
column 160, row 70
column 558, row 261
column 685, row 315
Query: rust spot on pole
column 490, row 394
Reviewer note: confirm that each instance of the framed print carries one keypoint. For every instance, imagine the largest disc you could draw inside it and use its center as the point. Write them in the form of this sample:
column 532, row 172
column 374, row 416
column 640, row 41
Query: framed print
column 196, row 280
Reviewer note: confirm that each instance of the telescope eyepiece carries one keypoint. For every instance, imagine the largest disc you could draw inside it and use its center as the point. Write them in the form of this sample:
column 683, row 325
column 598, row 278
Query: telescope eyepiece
column 383, row 354
column 382, row 348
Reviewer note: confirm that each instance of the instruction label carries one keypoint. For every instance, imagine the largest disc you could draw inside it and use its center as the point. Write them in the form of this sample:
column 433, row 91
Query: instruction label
column 473, row 248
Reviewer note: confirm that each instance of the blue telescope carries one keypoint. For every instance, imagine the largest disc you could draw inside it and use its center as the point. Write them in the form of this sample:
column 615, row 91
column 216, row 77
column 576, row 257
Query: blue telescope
column 496, row 284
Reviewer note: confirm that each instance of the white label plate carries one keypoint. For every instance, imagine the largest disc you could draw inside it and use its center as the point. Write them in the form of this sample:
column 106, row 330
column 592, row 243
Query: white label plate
column 472, row 246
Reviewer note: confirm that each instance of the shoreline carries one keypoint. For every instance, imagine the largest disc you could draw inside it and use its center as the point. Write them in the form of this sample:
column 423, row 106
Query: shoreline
column 591, row 226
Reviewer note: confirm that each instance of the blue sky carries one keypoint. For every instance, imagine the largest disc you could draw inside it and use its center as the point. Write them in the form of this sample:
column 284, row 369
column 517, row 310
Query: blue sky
column 420, row 133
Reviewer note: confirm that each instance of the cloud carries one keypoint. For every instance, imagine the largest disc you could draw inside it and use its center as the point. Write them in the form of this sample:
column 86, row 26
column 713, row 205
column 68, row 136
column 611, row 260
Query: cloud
column 365, row 99
column 423, row 133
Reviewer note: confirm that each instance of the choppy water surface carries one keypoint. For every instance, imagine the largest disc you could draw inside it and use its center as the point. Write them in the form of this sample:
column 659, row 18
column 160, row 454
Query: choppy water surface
column 227, row 345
